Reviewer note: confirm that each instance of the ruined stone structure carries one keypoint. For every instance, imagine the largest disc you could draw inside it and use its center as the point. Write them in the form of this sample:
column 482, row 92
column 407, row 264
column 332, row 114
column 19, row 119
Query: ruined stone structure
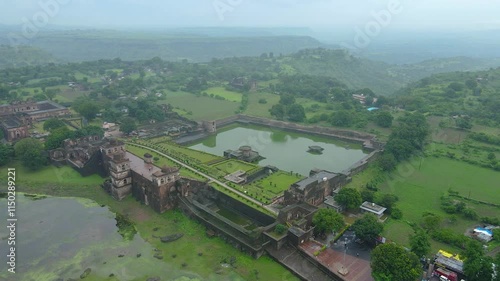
column 13, row 128
column 83, row 154
column 210, row 126
column 314, row 189
column 15, row 118
column 117, row 165
column 244, row 153
column 153, row 186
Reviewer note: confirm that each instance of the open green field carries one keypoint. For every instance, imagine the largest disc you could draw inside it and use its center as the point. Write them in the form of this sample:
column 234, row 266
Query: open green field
column 222, row 92
column 231, row 166
column 419, row 191
column 420, row 186
column 257, row 109
column 201, row 108
column 199, row 254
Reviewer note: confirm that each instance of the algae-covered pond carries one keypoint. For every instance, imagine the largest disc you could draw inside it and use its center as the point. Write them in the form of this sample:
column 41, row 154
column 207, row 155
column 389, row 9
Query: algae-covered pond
column 58, row 238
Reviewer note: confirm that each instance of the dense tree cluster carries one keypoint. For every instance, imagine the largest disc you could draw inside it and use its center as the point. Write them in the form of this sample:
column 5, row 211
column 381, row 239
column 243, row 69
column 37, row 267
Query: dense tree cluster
column 392, row 262
column 327, row 220
column 368, row 228
column 349, row 198
column 57, row 136
column 288, row 109
column 31, row 153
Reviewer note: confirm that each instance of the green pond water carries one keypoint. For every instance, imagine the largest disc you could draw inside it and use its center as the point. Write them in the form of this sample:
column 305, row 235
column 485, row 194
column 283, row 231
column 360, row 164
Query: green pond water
column 286, row 150
column 61, row 237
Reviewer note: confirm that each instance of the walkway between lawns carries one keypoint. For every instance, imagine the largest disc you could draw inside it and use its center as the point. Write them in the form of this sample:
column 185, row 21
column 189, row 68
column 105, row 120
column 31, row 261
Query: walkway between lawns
column 273, row 211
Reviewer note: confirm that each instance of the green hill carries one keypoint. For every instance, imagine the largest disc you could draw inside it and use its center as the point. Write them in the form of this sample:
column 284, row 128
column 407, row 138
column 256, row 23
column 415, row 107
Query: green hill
column 11, row 57
column 475, row 94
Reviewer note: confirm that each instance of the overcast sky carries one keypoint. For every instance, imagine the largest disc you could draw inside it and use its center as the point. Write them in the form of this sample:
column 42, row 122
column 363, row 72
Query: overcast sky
column 414, row 14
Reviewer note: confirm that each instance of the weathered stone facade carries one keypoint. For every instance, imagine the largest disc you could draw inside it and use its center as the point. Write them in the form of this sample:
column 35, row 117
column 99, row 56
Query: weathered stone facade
column 314, row 189
column 14, row 128
column 17, row 117
column 117, row 165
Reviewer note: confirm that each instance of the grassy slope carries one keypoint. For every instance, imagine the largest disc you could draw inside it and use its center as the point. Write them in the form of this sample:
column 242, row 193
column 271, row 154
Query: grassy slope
column 419, row 191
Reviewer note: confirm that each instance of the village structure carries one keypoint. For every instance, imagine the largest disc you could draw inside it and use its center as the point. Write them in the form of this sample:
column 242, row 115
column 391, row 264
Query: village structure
column 17, row 117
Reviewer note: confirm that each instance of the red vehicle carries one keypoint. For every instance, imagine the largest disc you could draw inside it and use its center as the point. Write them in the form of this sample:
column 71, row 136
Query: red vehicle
column 445, row 275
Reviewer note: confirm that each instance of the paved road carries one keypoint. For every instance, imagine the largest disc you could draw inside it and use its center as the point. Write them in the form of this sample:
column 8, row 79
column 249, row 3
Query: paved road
column 273, row 211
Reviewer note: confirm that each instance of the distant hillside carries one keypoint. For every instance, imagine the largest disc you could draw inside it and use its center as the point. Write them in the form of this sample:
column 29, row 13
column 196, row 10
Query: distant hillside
column 354, row 72
column 475, row 94
column 76, row 45
column 416, row 71
column 380, row 77
column 20, row 56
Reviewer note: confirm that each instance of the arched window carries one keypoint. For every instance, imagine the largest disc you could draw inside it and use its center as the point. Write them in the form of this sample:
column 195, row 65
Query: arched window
column 162, row 181
column 125, row 181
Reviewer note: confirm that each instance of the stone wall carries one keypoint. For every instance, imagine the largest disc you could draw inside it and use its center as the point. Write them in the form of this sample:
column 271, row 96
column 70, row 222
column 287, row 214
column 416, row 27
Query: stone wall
column 362, row 164
column 348, row 135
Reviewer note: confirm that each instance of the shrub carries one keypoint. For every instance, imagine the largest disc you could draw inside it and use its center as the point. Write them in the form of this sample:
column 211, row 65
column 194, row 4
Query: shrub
column 396, row 213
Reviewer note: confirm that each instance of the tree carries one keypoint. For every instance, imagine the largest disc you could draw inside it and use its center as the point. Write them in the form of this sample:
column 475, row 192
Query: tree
column 296, row 113
column 392, row 262
column 384, row 119
column 87, row 109
column 327, row 220
column 367, row 228
column 128, row 125
column 367, row 195
column 30, row 152
column 349, row 198
column 396, row 213
column 51, row 93
column 53, row 123
column 57, row 137
column 477, row 266
column 387, row 162
column 491, row 156
column 471, row 84
column 464, row 123
column 456, row 86
column 430, row 221
column 280, row 228
column 342, row 118
column 419, row 242
column 278, row 111
column 496, row 234
column 6, row 154
column 388, row 200
column 401, row 149
column 287, row 99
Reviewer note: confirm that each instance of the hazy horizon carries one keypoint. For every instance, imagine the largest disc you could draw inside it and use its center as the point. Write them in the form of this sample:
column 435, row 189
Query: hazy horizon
column 442, row 15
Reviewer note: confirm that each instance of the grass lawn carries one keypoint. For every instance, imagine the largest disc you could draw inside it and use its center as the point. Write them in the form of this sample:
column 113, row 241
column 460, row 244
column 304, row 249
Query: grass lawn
column 231, row 166
column 271, row 186
column 163, row 161
column 262, row 110
column 183, row 251
column 201, row 108
column 177, row 150
column 228, row 95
